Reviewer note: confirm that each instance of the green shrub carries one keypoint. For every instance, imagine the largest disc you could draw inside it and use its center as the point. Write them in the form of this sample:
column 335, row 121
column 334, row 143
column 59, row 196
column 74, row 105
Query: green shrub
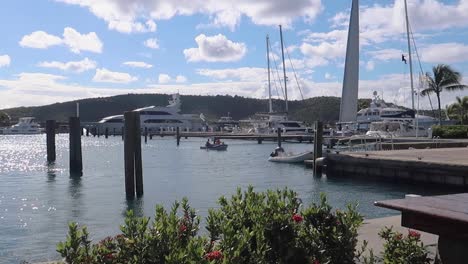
column 399, row 249
column 450, row 131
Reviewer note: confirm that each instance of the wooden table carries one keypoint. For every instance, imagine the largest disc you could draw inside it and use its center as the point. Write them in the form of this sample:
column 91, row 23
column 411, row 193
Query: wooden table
column 445, row 215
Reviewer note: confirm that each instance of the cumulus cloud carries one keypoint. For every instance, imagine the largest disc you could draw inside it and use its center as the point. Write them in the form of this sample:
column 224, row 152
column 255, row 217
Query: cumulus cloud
column 151, row 43
column 104, row 75
column 445, row 53
column 181, row 79
column 128, row 15
column 73, row 39
column 138, row 64
column 370, row 65
column 5, row 60
column 40, row 40
column 72, row 66
column 386, row 54
column 245, row 74
column 215, row 49
column 164, row 78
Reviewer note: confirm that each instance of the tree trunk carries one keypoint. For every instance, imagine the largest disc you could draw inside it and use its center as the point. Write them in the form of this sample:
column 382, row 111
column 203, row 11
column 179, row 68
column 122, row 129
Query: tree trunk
column 440, row 111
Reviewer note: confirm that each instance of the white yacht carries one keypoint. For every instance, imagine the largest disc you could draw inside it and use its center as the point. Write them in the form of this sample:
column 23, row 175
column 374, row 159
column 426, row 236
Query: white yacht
column 389, row 129
column 25, row 126
column 265, row 123
column 156, row 119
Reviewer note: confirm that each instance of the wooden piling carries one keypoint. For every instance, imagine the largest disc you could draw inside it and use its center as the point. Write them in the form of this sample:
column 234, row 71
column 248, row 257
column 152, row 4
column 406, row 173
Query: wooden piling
column 259, row 140
column 106, row 133
column 279, row 137
column 318, row 142
column 76, row 163
column 146, row 135
column 132, row 155
column 113, row 132
column 122, row 132
column 50, row 134
column 177, row 136
column 87, row 131
column 81, row 131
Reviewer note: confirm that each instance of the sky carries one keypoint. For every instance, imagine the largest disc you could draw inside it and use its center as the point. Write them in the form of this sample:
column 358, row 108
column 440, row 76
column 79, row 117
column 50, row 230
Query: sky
column 60, row 50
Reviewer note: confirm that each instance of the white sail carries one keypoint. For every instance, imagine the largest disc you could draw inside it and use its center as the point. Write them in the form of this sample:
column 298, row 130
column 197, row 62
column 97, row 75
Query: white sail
column 349, row 95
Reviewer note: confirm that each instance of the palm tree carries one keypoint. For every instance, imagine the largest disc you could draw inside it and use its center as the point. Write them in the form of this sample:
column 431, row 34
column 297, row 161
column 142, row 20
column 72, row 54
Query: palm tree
column 462, row 105
column 443, row 78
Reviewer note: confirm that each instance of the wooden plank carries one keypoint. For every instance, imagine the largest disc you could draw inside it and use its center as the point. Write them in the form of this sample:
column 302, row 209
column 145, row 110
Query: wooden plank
column 434, row 225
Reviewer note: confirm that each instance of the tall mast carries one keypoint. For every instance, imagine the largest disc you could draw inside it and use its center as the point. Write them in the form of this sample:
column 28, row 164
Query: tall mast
column 349, row 94
column 409, row 55
column 269, row 84
column 284, row 70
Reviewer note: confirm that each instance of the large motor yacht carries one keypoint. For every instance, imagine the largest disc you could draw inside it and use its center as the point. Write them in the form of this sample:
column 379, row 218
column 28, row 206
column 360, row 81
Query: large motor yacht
column 265, row 123
column 156, row 119
column 25, row 126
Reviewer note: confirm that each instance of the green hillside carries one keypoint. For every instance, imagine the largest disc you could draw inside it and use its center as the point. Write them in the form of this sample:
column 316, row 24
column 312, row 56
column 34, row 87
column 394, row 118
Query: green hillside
column 325, row 108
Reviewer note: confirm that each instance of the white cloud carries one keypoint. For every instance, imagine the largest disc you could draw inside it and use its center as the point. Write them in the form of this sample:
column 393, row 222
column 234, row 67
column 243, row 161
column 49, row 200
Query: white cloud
column 181, row 79
column 370, row 65
column 324, row 50
column 244, row 74
column 126, row 15
column 329, row 76
column 215, row 49
column 164, row 78
column 73, row 39
column 104, row 75
column 386, row 54
column 81, row 42
column 5, row 60
column 445, row 53
column 73, row 66
column 138, row 64
column 151, row 43
column 40, row 40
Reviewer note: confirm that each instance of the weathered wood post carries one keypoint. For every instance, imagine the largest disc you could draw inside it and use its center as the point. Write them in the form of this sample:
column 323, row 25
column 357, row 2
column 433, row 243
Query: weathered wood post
column 151, row 136
column 177, row 136
column 76, row 163
column 146, row 135
column 50, row 135
column 279, row 137
column 318, row 142
column 132, row 155
column 106, row 133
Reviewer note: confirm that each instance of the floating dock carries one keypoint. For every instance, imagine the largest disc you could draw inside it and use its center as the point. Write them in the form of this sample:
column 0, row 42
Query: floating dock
column 443, row 166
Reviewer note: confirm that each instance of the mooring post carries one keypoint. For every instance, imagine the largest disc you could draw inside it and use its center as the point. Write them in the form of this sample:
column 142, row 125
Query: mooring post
column 279, row 137
column 106, row 133
column 122, row 133
column 138, row 161
column 129, row 154
column 98, row 132
column 259, row 140
column 76, row 163
column 178, row 136
column 87, row 131
column 146, row 135
column 50, row 131
column 81, row 131
column 318, row 142
column 151, row 136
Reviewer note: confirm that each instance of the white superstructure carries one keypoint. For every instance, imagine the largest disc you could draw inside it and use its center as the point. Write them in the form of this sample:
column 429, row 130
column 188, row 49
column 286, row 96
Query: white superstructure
column 25, row 126
column 157, row 119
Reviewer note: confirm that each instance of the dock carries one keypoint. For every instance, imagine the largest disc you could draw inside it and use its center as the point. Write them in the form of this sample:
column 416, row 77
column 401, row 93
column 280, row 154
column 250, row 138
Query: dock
column 443, row 166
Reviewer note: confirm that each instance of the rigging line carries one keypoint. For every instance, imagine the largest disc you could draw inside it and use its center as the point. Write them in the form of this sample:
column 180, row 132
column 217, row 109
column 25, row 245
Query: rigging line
column 420, row 66
column 279, row 78
column 274, row 81
column 294, row 71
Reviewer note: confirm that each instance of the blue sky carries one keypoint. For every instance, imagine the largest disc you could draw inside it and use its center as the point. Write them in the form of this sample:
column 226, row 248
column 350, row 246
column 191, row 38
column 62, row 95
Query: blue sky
column 59, row 50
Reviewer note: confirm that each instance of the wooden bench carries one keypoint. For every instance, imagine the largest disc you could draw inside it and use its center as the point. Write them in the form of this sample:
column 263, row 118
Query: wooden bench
column 445, row 216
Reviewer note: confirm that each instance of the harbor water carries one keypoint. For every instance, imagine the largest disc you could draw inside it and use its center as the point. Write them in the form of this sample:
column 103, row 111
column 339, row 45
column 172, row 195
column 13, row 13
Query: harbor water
column 38, row 200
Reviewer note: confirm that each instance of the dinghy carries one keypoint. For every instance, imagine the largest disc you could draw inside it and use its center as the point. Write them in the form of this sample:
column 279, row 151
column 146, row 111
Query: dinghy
column 221, row 146
column 291, row 157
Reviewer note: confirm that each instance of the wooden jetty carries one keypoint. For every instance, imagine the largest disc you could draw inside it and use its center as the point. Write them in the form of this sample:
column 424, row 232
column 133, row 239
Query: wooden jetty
column 443, row 166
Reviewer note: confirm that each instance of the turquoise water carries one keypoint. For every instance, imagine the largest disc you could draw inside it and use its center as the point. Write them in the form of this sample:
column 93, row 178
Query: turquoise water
column 37, row 201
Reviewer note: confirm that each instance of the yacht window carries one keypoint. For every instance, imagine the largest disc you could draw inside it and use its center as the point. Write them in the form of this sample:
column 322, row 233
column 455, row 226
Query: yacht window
column 162, row 121
column 154, row 113
column 114, row 121
column 290, row 124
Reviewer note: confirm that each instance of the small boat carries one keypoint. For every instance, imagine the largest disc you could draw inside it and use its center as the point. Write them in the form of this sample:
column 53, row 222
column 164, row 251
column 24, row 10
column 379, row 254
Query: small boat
column 221, row 146
column 280, row 156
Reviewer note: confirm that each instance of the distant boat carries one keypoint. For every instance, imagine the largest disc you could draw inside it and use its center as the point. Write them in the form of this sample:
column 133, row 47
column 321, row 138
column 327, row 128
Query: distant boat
column 156, row 119
column 220, row 146
column 25, row 126
column 284, row 157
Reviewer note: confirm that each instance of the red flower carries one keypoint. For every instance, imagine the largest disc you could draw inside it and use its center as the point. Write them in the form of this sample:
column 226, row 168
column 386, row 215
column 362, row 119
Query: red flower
column 399, row 236
column 297, row 218
column 182, row 228
column 109, row 256
column 214, row 255
column 414, row 234
column 316, row 262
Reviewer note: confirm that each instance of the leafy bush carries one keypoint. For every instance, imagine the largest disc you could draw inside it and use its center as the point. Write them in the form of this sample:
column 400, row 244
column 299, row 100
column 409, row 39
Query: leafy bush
column 450, row 131
column 399, row 249
column 250, row 227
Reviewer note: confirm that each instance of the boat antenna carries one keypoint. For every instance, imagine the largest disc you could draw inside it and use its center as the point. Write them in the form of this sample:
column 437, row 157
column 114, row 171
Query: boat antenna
column 269, row 83
column 409, row 54
column 284, row 71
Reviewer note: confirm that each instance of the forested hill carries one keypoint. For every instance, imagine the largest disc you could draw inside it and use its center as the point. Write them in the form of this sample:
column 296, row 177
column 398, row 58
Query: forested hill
column 324, row 108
